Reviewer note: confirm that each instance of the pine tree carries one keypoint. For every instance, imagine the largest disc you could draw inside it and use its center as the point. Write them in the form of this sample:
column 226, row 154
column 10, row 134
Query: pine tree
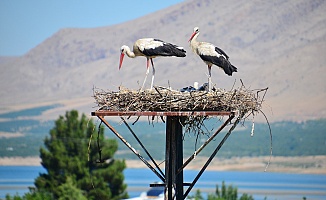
column 65, row 157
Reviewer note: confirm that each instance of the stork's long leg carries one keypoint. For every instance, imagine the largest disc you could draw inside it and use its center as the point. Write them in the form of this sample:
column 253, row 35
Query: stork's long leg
column 153, row 75
column 147, row 71
column 210, row 78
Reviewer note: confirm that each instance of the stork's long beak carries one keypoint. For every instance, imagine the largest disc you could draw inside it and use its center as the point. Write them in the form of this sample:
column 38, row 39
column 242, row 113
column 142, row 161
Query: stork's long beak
column 121, row 59
column 194, row 33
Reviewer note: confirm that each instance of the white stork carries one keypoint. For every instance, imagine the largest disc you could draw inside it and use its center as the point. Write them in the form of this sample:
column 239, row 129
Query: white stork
column 151, row 48
column 211, row 55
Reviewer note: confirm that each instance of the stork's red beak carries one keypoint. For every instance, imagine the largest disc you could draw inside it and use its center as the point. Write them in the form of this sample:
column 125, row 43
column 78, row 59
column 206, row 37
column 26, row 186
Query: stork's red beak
column 121, row 59
column 194, row 33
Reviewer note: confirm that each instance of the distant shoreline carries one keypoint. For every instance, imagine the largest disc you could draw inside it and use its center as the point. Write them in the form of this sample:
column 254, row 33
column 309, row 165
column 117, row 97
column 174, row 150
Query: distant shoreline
column 298, row 164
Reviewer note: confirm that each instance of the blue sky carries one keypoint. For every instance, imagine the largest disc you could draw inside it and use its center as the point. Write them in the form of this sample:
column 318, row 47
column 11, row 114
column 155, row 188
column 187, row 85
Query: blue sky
column 25, row 24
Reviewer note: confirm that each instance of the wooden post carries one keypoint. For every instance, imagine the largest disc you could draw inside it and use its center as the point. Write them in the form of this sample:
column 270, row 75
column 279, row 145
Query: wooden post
column 174, row 158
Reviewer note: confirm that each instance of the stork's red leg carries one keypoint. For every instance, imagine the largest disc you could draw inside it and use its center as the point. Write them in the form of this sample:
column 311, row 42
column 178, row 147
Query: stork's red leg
column 209, row 70
column 147, row 66
column 153, row 75
column 210, row 78
column 147, row 71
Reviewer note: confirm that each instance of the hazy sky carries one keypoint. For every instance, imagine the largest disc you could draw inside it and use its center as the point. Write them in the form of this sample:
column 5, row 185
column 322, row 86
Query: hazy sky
column 25, row 24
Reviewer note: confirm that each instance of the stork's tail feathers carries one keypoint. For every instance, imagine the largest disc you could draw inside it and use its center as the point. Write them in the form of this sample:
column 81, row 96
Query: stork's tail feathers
column 175, row 50
column 179, row 52
column 234, row 69
column 230, row 69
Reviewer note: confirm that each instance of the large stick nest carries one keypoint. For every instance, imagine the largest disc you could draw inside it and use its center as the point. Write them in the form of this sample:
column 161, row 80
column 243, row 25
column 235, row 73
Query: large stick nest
column 241, row 100
column 162, row 99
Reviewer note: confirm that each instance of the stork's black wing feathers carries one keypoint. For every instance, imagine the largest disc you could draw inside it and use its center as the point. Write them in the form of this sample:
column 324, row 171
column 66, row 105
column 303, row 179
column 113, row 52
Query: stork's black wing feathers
column 159, row 40
column 167, row 49
column 220, row 62
column 220, row 51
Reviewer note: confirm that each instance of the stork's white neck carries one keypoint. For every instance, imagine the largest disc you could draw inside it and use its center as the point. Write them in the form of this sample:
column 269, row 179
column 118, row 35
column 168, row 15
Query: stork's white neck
column 129, row 53
column 194, row 43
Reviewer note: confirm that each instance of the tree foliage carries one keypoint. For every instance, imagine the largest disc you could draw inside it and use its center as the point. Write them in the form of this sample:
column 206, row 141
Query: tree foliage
column 65, row 158
column 226, row 193
column 70, row 175
column 32, row 195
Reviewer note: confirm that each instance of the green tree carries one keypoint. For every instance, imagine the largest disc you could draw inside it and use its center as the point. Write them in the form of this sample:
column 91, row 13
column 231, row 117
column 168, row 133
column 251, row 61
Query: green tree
column 32, row 195
column 226, row 193
column 65, row 157
column 68, row 190
column 247, row 197
column 197, row 196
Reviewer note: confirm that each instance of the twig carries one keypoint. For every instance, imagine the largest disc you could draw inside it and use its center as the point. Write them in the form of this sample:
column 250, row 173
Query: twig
column 271, row 138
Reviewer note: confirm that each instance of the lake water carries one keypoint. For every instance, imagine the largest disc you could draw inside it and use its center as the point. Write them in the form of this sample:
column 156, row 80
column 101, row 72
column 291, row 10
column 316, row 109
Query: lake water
column 17, row 179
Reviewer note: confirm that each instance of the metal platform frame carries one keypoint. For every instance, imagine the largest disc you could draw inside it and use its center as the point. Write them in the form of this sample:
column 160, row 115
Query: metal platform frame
column 174, row 166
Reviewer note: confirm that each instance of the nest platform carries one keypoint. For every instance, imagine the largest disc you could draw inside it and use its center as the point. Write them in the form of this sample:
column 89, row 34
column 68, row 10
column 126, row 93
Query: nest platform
column 161, row 99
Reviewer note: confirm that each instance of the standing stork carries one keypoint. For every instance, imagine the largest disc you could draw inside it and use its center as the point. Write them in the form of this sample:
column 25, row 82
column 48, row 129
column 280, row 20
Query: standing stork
column 151, row 48
column 211, row 55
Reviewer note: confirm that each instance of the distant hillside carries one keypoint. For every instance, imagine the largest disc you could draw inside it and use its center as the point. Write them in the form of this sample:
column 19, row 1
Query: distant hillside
column 22, row 135
column 289, row 139
column 276, row 44
column 6, row 59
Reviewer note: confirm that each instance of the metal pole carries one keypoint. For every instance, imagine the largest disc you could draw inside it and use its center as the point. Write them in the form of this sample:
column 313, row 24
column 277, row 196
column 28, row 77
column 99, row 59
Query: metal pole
column 174, row 158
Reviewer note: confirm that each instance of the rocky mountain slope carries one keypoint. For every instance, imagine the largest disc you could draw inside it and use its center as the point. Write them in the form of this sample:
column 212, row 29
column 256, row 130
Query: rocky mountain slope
column 276, row 44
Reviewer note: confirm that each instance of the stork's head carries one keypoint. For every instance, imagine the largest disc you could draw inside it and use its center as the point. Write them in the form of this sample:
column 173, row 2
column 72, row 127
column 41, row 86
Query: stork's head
column 123, row 51
column 196, row 32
